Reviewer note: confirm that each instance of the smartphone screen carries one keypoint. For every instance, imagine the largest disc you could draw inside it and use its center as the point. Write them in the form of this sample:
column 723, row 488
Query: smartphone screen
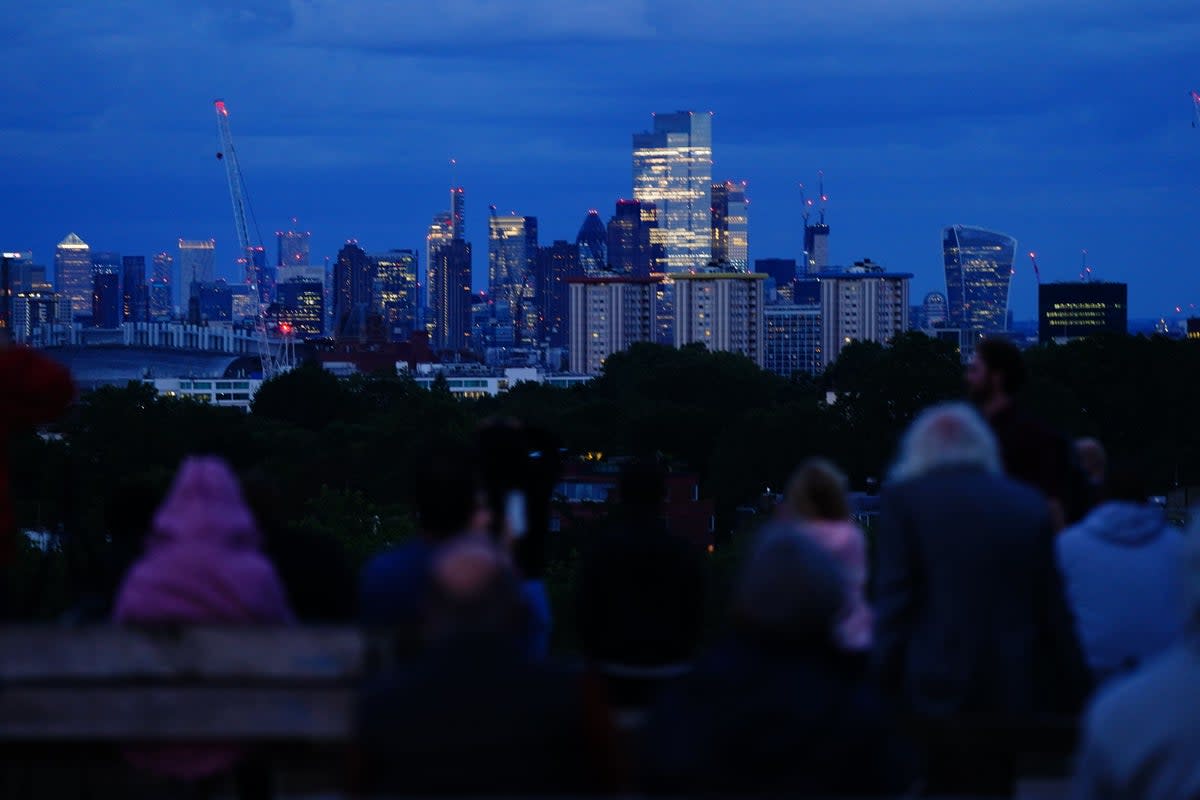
column 514, row 514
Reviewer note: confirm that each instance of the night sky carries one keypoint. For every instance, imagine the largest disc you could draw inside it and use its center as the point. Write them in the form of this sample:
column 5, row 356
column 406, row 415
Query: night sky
column 1064, row 124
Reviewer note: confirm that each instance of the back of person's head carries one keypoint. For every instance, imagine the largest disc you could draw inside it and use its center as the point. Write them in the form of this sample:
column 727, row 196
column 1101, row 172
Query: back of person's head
column 642, row 486
column 474, row 594
column 818, row 491
column 790, row 591
column 1003, row 360
column 1092, row 458
column 447, row 492
column 947, row 435
column 205, row 505
column 1126, row 484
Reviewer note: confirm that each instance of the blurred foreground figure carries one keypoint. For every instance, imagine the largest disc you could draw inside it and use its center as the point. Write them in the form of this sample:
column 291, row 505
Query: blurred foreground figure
column 817, row 495
column 1030, row 451
column 641, row 593
column 971, row 616
column 1124, row 572
column 449, row 503
column 775, row 708
column 34, row 390
column 1142, row 738
column 202, row 565
column 473, row 714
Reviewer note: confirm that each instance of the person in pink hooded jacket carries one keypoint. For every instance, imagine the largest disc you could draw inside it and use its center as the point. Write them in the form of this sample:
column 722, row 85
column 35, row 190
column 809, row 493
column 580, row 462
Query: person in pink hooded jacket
column 201, row 565
column 817, row 498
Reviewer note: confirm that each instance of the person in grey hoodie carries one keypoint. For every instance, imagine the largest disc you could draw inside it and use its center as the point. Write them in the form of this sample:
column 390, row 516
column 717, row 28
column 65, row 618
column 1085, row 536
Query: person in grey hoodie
column 1122, row 566
column 1142, row 735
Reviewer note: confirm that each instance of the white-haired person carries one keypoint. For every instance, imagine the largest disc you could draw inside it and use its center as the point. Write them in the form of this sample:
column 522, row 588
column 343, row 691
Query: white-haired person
column 1142, row 735
column 971, row 619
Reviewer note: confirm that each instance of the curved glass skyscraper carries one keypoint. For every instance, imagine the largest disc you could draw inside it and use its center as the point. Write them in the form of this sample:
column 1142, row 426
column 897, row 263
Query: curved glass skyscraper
column 979, row 267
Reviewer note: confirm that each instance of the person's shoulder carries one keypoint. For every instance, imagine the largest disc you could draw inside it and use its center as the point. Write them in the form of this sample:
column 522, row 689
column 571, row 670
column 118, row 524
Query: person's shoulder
column 404, row 556
column 1130, row 704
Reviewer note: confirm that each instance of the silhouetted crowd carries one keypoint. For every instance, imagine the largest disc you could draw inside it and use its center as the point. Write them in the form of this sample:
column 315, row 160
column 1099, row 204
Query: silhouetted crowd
column 1016, row 596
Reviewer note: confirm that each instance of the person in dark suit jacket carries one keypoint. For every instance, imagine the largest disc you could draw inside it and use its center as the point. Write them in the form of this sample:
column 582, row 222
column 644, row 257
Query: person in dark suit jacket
column 971, row 617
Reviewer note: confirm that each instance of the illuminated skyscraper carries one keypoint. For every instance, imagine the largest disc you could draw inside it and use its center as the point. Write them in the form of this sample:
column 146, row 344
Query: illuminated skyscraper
column 512, row 258
column 630, row 251
column 293, row 246
column 592, row 240
column 672, row 168
column 161, row 299
column 353, row 286
column 730, row 226
column 197, row 264
column 979, row 267
column 73, row 273
column 396, row 291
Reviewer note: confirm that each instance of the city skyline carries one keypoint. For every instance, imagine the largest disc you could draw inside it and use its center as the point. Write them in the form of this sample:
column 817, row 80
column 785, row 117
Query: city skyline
column 1084, row 142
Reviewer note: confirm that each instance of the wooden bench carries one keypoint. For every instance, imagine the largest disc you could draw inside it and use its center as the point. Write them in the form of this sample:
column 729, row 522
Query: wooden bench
column 70, row 696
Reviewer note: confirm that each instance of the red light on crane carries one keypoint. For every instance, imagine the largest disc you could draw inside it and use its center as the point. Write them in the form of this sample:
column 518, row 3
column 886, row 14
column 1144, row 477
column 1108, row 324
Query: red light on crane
column 285, row 329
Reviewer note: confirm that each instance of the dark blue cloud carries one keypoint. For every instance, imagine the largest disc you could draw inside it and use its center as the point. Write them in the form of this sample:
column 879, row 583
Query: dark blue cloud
column 1064, row 124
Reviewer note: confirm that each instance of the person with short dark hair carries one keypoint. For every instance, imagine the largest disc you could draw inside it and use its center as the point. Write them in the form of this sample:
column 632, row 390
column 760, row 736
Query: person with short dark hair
column 817, row 495
column 640, row 597
column 449, row 502
column 1123, row 570
column 1032, row 452
column 775, row 708
column 472, row 714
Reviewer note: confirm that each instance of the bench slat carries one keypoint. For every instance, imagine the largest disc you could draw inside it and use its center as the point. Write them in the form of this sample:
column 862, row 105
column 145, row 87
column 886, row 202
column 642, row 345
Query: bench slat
column 31, row 713
column 104, row 654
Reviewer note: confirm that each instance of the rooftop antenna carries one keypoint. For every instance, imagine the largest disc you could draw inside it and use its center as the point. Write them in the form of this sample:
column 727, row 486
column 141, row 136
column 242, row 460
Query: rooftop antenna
column 805, row 206
column 1085, row 272
column 821, row 191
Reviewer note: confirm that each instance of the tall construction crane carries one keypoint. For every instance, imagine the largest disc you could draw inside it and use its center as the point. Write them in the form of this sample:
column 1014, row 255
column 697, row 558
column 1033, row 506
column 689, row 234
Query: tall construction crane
column 1037, row 273
column 1195, row 109
column 275, row 359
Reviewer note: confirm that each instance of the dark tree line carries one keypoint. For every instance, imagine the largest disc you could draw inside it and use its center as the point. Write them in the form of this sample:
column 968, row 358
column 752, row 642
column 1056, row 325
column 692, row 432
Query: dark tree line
column 335, row 457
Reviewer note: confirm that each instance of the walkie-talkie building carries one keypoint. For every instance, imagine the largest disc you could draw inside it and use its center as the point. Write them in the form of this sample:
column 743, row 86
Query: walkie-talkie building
column 979, row 267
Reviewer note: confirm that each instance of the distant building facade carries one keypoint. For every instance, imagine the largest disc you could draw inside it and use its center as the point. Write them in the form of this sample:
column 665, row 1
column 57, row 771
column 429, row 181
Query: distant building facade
column 731, row 226
column 1074, row 310
column 161, row 296
column 353, row 291
column 300, row 299
column 862, row 303
column 792, row 339
column 293, row 247
column 396, row 291
column 197, row 264
column 512, row 259
column 557, row 264
column 979, row 268
column 934, row 311
column 106, row 300
column 672, row 168
column 452, row 315
column 135, row 294
column 592, row 241
column 631, row 246
column 608, row 314
column 816, row 247
column 73, row 273
column 721, row 310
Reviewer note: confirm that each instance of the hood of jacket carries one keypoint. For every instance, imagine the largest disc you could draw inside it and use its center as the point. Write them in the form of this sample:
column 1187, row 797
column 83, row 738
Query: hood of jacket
column 1124, row 523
